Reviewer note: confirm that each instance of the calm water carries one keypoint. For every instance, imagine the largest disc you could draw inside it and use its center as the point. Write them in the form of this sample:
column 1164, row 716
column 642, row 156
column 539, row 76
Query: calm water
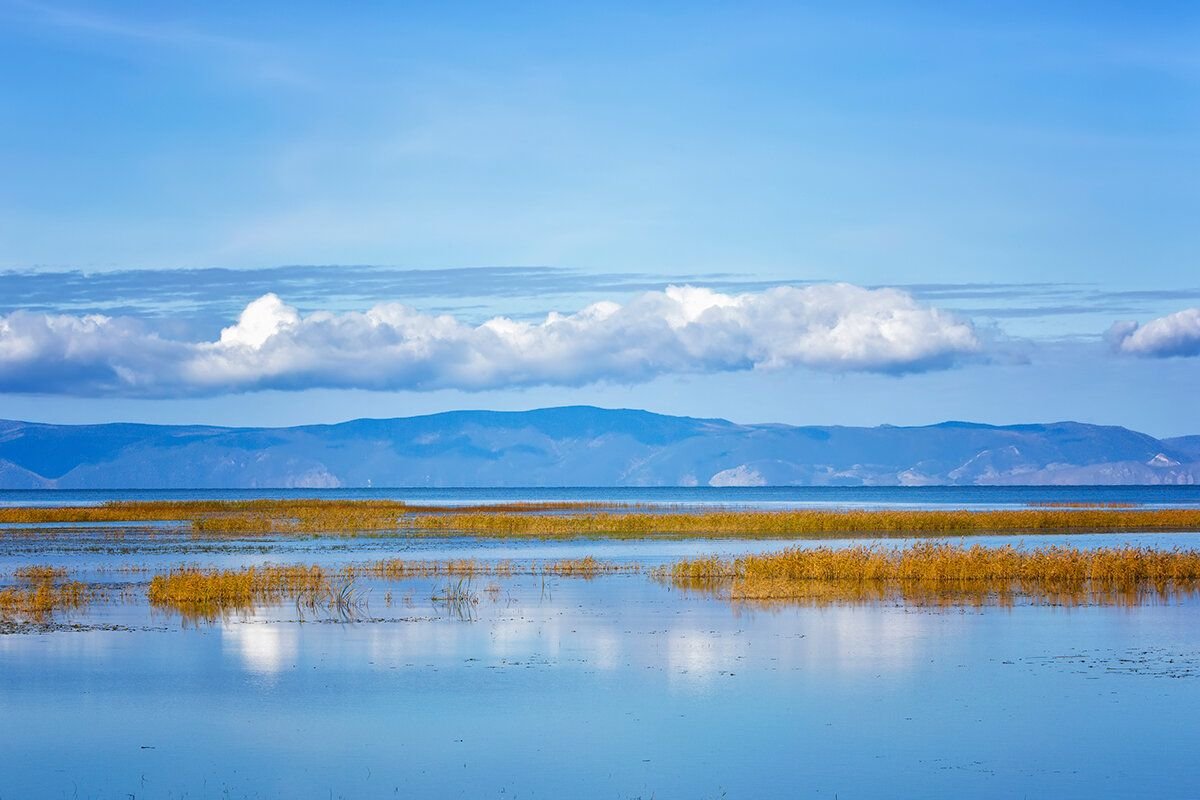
column 618, row 687
column 766, row 497
column 615, row 688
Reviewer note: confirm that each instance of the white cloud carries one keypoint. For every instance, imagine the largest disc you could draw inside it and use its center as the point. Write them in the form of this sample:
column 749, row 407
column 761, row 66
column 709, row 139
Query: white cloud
column 1175, row 334
column 836, row 327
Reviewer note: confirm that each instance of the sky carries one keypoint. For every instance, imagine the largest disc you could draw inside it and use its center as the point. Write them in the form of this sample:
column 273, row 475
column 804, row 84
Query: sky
column 821, row 213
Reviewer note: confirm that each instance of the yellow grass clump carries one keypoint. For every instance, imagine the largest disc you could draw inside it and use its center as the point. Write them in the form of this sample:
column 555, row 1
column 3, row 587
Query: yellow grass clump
column 38, row 573
column 240, row 588
column 45, row 593
column 40, row 601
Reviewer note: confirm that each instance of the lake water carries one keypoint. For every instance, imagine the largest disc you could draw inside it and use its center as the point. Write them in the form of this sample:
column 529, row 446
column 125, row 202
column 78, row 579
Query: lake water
column 616, row 687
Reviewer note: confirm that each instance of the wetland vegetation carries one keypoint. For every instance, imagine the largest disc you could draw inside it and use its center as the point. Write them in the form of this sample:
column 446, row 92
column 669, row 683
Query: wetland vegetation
column 215, row 519
column 945, row 574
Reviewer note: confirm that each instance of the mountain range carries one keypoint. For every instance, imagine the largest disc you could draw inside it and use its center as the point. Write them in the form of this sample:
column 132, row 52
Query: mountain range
column 583, row 446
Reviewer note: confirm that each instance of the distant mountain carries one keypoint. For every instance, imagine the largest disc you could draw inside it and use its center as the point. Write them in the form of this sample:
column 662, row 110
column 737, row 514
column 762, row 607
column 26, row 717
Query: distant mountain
column 583, row 446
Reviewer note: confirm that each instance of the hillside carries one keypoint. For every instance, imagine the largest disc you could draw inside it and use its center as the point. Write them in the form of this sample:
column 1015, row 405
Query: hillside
column 582, row 446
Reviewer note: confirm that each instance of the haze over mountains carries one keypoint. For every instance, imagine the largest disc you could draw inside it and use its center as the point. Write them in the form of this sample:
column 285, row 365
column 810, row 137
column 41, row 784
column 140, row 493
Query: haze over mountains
column 583, row 446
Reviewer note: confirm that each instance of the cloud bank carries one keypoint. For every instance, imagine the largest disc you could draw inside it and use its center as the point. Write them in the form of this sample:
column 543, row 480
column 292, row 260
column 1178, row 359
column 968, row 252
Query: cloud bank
column 684, row 329
column 1175, row 334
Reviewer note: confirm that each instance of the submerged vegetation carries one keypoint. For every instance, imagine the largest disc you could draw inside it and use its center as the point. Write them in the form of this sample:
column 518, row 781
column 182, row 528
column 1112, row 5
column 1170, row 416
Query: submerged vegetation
column 219, row 519
column 942, row 573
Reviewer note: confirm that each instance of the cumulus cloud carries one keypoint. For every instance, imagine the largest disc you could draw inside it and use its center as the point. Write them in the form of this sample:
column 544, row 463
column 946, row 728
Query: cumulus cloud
column 684, row 329
column 1175, row 334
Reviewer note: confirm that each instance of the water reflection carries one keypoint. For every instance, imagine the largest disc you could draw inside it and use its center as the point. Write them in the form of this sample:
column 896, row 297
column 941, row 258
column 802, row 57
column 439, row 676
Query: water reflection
column 263, row 648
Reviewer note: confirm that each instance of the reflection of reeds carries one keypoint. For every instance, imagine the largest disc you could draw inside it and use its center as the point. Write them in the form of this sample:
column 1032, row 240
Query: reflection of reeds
column 344, row 601
column 218, row 519
column 940, row 573
column 458, row 598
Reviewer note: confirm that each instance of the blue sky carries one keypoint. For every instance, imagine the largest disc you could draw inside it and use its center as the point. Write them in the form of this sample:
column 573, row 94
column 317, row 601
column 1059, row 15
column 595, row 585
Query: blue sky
column 1031, row 169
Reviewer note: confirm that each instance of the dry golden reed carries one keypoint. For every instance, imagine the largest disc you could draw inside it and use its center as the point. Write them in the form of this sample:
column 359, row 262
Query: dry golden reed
column 40, row 601
column 45, row 593
column 218, row 519
column 237, row 588
column 40, row 573
column 805, row 523
column 937, row 572
column 201, row 592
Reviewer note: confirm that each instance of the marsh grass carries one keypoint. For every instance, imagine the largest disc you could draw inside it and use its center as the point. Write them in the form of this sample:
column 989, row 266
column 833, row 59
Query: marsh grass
column 807, row 523
column 937, row 573
column 43, row 593
column 40, row 573
column 207, row 594
column 211, row 519
column 217, row 518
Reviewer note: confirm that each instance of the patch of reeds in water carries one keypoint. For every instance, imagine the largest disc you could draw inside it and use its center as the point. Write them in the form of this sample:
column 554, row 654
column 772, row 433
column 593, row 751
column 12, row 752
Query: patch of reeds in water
column 39, row 573
column 42, row 593
column 201, row 594
column 934, row 573
column 206, row 593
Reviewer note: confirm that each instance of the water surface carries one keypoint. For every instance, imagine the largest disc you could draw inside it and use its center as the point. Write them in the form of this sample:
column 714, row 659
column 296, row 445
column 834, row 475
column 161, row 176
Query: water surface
column 616, row 687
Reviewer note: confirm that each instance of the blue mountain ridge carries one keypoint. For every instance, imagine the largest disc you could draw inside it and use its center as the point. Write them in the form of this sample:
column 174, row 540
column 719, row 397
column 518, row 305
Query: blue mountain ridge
column 583, row 446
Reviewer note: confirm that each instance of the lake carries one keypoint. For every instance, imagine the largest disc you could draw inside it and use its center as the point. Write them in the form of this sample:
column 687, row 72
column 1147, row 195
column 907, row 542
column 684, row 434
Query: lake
column 621, row 686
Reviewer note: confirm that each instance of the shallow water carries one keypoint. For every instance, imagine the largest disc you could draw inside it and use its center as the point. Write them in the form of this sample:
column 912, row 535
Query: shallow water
column 612, row 688
column 609, row 688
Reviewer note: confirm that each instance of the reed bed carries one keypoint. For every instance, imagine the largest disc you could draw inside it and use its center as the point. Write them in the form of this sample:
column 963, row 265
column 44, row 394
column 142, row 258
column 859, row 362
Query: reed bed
column 43, row 593
column 235, row 588
column 217, row 518
column 213, row 519
column 1060, row 504
column 40, row 573
column 44, row 599
column 806, row 523
column 942, row 573
column 199, row 592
